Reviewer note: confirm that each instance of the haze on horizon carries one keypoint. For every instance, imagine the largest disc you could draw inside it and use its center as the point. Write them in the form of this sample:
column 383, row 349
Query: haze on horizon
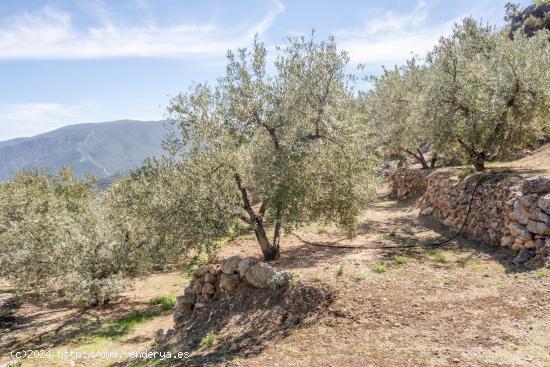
column 89, row 61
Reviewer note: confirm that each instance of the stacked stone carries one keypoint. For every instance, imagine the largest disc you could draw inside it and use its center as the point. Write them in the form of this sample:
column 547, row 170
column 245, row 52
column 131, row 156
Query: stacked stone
column 212, row 281
column 509, row 211
column 407, row 183
column 528, row 225
column 448, row 198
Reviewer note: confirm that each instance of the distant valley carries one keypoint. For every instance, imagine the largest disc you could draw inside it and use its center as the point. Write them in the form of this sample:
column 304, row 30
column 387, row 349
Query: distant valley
column 103, row 149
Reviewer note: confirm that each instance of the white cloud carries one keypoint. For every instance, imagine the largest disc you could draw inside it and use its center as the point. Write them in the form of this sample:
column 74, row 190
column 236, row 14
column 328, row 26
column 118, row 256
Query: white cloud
column 28, row 119
column 390, row 38
column 50, row 34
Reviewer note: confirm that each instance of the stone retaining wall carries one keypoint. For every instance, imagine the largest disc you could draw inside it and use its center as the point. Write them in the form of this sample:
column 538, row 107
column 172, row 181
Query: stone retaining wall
column 507, row 209
column 408, row 183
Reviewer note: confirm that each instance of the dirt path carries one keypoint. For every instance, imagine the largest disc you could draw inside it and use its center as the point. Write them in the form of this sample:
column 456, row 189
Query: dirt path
column 463, row 304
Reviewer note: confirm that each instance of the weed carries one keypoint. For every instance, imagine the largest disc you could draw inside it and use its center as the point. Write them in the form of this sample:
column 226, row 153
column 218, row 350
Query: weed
column 438, row 256
column 486, row 274
column 209, row 339
column 359, row 277
column 400, row 259
column 321, row 230
column 541, row 273
column 447, row 282
column 317, row 280
column 125, row 324
column 340, row 270
column 166, row 302
column 379, row 268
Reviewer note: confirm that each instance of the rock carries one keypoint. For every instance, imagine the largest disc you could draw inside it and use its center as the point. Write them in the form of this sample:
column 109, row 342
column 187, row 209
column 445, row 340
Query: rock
column 540, row 244
column 188, row 290
column 196, row 285
column 519, row 213
column 427, row 211
column 537, row 184
column 184, row 308
column 507, row 241
column 210, row 278
column 538, row 227
column 518, row 245
column 520, row 231
column 245, row 264
column 544, row 203
column 160, row 336
column 528, row 200
column 258, row 275
column 523, row 256
column 540, row 216
column 529, row 244
column 228, row 282
column 212, row 268
column 208, row 289
column 281, row 279
column 231, row 265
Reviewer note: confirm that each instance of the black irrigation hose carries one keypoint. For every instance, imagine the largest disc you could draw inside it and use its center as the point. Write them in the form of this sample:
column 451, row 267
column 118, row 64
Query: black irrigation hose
column 435, row 244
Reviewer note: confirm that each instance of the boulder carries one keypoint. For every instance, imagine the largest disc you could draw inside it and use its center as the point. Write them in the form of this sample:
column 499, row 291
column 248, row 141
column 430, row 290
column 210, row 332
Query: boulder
column 188, row 291
column 258, row 275
column 245, row 264
column 544, row 203
column 228, row 282
column 231, row 265
column 520, row 231
column 537, row 184
column 538, row 227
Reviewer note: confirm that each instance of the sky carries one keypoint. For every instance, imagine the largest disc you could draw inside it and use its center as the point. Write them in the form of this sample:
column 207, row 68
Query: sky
column 65, row 62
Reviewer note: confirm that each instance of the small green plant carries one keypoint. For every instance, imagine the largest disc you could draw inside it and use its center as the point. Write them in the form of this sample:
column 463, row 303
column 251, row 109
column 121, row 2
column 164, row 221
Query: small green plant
column 486, row 274
column 359, row 277
column 166, row 302
column 379, row 268
column 340, row 270
column 321, row 230
column 447, row 282
column 317, row 280
column 541, row 273
column 400, row 259
column 438, row 256
column 209, row 339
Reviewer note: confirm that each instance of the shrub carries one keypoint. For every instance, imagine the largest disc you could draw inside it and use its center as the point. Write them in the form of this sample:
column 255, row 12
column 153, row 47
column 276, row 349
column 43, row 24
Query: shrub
column 400, row 259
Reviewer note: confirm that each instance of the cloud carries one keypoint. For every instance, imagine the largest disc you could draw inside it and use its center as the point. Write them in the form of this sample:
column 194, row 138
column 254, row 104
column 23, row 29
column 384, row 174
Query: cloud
column 389, row 38
column 51, row 34
column 28, row 119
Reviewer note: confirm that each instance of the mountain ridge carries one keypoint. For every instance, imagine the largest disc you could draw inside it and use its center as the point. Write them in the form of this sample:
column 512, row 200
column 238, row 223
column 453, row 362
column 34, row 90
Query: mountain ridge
column 102, row 149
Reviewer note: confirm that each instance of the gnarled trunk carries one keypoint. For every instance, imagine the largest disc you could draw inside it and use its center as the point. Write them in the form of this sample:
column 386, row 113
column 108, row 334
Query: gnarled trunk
column 271, row 251
column 479, row 161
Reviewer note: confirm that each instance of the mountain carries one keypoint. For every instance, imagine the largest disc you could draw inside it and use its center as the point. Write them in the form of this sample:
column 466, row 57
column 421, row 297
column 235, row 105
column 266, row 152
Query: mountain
column 103, row 149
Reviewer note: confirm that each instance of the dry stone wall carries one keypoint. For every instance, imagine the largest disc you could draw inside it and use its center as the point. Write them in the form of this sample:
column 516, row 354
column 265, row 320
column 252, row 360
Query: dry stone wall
column 213, row 281
column 507, row 209
column 408, row 183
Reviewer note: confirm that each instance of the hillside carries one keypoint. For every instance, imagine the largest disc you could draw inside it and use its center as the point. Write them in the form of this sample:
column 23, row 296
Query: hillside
column 103, row 149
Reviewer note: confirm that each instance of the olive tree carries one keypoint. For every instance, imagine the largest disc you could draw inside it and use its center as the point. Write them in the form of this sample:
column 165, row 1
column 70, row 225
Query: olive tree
column 393, row 107
column 486, row 94
column 59, row 236
column 272, row 146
